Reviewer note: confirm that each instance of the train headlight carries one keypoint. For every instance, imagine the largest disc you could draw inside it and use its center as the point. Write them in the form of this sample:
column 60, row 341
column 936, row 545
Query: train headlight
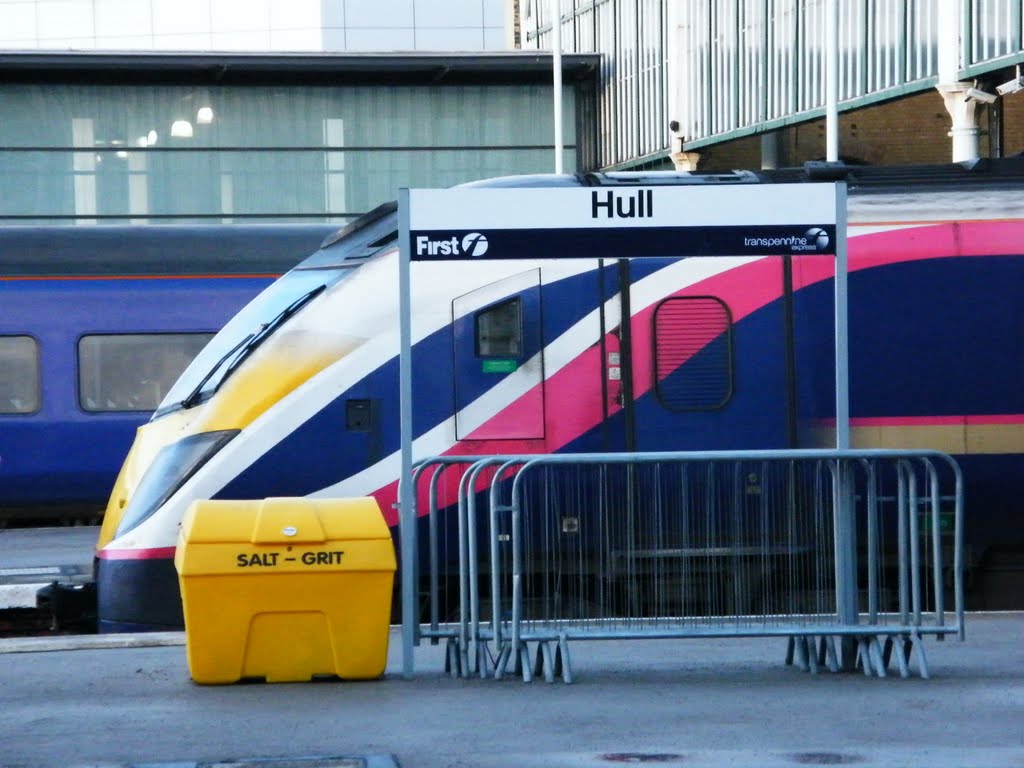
column 173, row 465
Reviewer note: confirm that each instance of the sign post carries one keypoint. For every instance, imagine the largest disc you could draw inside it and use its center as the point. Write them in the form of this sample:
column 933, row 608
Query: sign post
column 613, row 222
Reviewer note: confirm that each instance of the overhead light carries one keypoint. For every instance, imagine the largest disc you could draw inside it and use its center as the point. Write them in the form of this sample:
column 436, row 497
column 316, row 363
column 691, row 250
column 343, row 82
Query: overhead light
column 151, row 138
column 204, row 116
column 976, row 94
column 181, row 129
column 122, row 154
column 1012, row 86
column 1017, row 84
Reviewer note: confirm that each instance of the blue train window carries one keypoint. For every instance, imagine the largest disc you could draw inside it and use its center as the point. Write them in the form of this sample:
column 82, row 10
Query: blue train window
column 132, row 372
column 499, row 330
column 19, row 374
column 693, row 353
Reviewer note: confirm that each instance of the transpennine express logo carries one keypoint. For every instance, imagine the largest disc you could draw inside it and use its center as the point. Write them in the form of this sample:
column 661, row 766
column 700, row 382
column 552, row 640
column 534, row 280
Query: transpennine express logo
column 817, row 237
column 813, row 240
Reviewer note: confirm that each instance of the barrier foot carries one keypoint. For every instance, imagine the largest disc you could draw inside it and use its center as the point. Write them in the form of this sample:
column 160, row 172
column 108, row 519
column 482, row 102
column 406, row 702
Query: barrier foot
column 545, row 663
column 922, row 660
column 483, row 660
column 831, row 655
column 823, row 653
column 875, row 651
column 863, row 659
column 502, row 661
column 523, row 662
column 802, row 654
column 790, row 645
column 453, row 658
column 562, row 664
column 812, row 656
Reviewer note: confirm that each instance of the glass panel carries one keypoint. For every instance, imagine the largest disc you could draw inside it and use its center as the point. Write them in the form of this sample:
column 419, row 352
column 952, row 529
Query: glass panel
column 133, row 372
column 499, row 330
column 211, row 185
column 104, row 117
column 273, row 153
column 19, row 374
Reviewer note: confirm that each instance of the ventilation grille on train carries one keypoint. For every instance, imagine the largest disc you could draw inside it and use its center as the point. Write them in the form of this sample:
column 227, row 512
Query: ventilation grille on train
column 693, row 353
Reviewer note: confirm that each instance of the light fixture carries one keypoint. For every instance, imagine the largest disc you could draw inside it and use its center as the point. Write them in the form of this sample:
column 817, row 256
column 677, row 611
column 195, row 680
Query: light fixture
column 151, row 138
column 976, row 94
column 204, row 116
column 1017, row 84
column 181, row 129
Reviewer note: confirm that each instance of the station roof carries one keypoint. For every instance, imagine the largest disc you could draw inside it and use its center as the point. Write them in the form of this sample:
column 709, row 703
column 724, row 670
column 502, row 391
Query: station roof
column 414, row 68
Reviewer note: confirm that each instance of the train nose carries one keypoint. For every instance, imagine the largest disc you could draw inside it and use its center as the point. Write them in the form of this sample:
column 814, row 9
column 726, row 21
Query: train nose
column 137, row 591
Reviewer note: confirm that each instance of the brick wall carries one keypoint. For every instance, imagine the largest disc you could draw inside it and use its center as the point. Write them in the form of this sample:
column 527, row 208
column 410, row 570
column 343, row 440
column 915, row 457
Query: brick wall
column 909, row 131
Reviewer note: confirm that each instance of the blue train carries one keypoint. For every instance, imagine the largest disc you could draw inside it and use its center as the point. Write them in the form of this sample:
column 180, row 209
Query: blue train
column 97, row 324
column 298, row 394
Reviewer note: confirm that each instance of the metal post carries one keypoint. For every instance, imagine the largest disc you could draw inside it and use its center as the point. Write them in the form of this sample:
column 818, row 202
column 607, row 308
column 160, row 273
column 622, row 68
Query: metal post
column 556, row 65
column 842, row 323
column 832, row 82
column 846, row 533
column 406, row 526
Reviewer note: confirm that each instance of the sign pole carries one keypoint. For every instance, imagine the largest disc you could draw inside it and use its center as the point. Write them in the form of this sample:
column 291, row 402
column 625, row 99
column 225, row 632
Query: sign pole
column 846, row 532
column 406, row 513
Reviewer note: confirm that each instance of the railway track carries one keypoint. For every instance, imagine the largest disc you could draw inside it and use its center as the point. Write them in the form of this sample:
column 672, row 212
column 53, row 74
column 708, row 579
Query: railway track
column 33, row 622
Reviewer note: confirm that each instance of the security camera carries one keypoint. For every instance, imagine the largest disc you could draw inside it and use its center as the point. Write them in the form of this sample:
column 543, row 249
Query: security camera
column 1017, row 84
column 976, row 94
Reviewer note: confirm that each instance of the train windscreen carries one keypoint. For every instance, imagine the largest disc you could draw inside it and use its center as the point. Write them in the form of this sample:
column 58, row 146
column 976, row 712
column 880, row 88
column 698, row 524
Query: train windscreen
column 244, row 332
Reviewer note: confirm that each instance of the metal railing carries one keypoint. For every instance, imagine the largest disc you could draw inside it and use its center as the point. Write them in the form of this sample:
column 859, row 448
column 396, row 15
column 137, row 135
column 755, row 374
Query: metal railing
column 853, row 556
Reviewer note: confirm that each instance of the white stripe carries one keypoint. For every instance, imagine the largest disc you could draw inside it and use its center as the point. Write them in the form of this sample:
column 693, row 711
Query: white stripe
column 558, row 354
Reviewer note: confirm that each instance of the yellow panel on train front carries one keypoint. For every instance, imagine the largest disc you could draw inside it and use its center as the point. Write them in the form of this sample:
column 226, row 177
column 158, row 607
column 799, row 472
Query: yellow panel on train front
column 285, row 589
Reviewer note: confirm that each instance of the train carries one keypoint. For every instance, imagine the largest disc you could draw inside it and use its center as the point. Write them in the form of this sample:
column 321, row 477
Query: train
column 98, row 321
column 298, row 395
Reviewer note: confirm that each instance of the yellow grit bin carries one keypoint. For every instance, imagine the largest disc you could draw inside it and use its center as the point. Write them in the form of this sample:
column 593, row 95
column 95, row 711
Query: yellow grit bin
column 285, row 589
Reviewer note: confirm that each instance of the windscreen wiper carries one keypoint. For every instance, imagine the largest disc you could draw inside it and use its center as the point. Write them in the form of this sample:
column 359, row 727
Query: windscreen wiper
column 193, row 397
column 249, row 344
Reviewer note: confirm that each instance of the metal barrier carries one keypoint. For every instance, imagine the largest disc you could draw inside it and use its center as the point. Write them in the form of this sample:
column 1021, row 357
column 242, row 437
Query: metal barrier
column 852, row 556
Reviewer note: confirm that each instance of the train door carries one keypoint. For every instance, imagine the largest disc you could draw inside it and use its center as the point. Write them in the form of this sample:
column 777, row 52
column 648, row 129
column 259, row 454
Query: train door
column 542, row 362
column 706, row 360
column 499, row 367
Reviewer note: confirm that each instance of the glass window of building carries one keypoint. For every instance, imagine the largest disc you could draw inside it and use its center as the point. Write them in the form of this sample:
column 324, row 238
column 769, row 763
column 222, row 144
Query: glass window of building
column 155, row 153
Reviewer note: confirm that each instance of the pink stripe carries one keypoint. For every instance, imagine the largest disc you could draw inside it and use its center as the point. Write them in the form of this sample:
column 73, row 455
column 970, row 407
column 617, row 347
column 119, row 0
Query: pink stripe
column 573, row 394
column 156, row 553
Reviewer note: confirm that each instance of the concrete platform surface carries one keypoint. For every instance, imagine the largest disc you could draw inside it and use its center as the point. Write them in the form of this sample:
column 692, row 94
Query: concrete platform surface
column 702, row 703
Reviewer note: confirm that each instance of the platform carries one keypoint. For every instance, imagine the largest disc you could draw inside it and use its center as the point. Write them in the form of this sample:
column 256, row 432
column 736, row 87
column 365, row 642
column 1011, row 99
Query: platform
column 31, row 558
column 691, row 703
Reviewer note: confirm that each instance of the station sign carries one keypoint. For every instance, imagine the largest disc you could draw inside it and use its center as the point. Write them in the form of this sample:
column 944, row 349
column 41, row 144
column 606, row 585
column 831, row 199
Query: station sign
column 471, row 223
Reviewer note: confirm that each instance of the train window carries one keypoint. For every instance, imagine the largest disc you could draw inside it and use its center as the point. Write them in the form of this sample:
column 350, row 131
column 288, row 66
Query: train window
column 693, row 353
column 499, row 330
column 19, row 374
column 132, row 372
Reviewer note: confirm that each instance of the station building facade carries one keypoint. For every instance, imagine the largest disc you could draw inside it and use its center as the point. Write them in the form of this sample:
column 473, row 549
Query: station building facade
column 88, row 137
column 720, row 84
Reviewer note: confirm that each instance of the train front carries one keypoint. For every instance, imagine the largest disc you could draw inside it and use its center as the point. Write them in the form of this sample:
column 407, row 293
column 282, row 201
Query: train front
column 197, row 441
